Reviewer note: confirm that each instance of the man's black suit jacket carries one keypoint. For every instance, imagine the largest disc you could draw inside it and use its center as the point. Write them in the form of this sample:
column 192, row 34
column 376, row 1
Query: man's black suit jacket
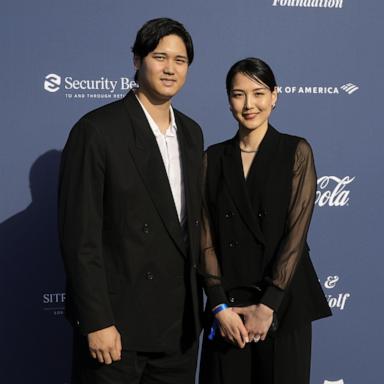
column 121, row 240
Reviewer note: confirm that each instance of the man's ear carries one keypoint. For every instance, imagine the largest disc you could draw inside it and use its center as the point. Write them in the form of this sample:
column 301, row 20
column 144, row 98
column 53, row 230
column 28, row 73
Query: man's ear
column 137, row 62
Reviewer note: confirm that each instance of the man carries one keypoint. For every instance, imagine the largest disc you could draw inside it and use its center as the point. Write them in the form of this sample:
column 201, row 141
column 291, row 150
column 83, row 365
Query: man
column 129, row 223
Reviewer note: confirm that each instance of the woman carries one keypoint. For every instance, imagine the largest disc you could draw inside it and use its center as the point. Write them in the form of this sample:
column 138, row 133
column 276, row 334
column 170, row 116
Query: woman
column 262, row 290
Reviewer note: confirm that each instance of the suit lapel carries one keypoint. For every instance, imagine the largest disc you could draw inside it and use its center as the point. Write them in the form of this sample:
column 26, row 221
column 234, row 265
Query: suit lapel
column 261, row 166
column 148, row 161
column 234, row 178
column 189, row 169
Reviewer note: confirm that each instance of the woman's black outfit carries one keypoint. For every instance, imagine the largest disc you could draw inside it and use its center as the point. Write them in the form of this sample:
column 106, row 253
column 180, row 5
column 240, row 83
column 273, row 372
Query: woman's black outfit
column 255, row 233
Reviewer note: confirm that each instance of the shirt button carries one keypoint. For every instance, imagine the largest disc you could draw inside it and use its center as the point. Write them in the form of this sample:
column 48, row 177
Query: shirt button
column 233, row 244
column 228, row 214
column 146, row 229
column 231, row 299
column 149, row 275
column 197, row 222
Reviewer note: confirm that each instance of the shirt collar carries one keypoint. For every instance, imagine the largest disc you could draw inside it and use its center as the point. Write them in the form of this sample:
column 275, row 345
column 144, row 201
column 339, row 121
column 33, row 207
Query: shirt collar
column 171, row 131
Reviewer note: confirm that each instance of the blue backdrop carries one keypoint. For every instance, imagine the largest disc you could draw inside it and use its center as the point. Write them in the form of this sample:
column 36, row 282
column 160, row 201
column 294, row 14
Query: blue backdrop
column 61, row 59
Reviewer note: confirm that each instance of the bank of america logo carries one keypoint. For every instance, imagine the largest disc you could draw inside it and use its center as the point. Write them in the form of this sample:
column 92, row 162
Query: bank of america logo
column 52, row 82
column 349, row 88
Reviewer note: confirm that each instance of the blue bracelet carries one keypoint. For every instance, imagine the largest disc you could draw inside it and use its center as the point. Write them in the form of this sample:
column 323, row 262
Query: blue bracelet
column 215, row 325
column 219, row 308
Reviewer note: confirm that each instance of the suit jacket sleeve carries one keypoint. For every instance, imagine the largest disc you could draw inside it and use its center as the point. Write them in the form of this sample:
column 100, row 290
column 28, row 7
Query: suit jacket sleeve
column 81, row 223
column 299, row 217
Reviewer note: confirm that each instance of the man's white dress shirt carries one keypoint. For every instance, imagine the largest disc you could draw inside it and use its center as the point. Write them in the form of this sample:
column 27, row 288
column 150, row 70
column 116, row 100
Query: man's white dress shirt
column 169, row 149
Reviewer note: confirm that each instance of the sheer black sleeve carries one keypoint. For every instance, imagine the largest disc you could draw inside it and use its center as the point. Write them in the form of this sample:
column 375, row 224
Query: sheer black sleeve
column 209, row 265
column 299, row 217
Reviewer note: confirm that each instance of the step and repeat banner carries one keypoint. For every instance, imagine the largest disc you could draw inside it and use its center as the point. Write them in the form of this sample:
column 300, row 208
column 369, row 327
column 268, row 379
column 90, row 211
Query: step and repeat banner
column 62, row 59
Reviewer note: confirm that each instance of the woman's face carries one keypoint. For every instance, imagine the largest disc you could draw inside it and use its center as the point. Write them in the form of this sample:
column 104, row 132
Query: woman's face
column 251, row 102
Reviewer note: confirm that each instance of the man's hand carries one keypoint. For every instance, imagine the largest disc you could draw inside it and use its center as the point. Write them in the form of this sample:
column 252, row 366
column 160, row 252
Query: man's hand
column 105, row 345
column 257, row 319
column 232, row 327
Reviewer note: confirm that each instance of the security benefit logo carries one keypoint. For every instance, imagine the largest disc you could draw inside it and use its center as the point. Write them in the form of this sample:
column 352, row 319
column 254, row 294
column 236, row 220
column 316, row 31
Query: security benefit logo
column 52, row 82
column 333, row 191
column 97, row 88
column 336, row 299
column 53, row 303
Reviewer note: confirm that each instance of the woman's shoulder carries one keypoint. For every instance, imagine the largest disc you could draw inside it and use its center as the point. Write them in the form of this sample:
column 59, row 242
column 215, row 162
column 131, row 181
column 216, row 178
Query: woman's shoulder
column 219, row 148
column 299, row 143
column 301, row 150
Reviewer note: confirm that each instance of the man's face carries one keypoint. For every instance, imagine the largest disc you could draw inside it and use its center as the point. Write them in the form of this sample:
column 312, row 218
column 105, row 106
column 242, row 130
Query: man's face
column 163, row 71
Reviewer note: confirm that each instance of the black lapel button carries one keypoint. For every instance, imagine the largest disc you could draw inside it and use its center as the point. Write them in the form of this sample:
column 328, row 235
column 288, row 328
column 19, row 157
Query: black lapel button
column 233, row 244
column 197, row 223
column 228, row 214
column 146, row 229
column 262, row 214
column 148, row 275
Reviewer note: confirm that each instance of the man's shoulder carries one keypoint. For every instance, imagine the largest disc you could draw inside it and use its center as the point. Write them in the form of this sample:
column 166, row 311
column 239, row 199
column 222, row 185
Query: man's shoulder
column 104, row 113
column 186, row 119
column 99, row 123
column 109, row 119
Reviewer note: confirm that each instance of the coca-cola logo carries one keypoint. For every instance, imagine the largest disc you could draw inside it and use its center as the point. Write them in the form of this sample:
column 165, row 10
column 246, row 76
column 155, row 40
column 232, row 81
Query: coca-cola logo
column 332, row 191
